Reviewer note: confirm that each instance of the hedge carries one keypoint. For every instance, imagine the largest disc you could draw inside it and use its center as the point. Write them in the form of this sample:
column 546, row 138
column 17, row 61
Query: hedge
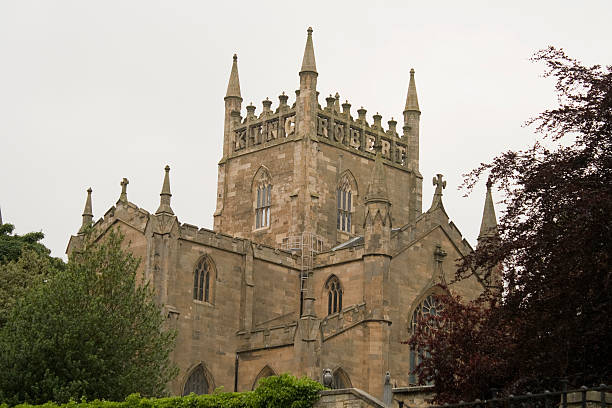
column 284, row 391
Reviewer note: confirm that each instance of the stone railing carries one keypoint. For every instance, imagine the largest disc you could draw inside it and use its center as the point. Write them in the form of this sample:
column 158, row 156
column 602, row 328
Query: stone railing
column 265, row 129
column 340, row 128
column 339, row 322
column 347, row 398
column 268, row 337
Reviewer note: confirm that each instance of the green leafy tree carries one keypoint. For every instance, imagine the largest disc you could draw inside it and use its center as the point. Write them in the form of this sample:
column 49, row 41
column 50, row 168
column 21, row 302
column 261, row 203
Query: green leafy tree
column 12, row 245
column 16, row 277
column 24, row 262
column 89, row 331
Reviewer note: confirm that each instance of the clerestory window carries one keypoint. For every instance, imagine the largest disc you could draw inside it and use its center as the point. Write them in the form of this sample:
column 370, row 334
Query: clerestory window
column 334, row 295
column 344, row 203
column 262, row 209
column 202, row 280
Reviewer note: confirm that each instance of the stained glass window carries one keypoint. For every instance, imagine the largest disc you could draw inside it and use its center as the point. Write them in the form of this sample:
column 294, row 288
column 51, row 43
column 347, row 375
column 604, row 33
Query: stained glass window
column 430, row 306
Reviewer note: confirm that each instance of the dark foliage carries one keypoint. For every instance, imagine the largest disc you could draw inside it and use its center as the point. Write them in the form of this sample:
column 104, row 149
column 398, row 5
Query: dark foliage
column 554, row 318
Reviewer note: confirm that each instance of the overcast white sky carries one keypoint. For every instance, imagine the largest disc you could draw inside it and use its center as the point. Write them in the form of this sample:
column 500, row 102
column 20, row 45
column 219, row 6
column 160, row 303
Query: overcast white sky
column 93, row 91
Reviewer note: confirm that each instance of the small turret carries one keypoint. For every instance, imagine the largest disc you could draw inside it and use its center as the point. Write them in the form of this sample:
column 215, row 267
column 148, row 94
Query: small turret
column 488, row 225
column 87, row 213
column 377, row 189
column 282, row 102
column 377, row 121
column 377, row 224
column 361, row 112
column 330, row 102
column 346, row 109
column 412, row 115
column 165, row 195
column 250, row 111
column 267, row 105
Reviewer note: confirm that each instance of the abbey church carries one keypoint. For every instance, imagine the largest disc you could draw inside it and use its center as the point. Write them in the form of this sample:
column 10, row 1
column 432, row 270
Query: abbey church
column 321, row 256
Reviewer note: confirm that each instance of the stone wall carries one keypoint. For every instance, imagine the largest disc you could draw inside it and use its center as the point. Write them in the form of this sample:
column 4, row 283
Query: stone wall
column 347, row 398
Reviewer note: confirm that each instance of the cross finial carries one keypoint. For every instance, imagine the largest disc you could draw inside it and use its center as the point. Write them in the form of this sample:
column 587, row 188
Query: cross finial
column 124, row 183
column 439, row 183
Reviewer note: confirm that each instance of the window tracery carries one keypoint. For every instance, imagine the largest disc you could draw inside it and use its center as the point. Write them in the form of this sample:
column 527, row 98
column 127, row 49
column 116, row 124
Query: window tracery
column 262, row 210
column 202, row 280
column 261, row 188
column 197, row 382
column 345, row 195
column 334, row 295
column 430, row 306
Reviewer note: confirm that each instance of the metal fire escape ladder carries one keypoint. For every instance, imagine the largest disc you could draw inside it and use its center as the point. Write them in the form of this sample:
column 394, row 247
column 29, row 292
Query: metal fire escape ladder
column 308, row 244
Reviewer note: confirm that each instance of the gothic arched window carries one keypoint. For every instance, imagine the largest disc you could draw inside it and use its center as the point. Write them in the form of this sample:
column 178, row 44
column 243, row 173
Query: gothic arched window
column 334, row 295
column 262, row 210
column 430, row 306
column 265, row 372
column 345, row 196
column 341, row 380
column 202, row 280
column 261, row 189
column 344, row 201
column 197, row 382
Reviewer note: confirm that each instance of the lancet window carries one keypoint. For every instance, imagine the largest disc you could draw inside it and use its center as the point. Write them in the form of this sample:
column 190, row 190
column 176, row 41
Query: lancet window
column 429, row 307
column 334, row 295
column 262, row 197
column 264, row 201
column 344, row 202
column 202, row 280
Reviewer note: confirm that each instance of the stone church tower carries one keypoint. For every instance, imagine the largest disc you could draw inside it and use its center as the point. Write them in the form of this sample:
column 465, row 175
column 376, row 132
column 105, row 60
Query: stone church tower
column 320, row 257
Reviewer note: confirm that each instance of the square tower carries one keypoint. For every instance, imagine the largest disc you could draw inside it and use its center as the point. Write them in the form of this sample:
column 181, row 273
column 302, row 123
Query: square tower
column 305, row 168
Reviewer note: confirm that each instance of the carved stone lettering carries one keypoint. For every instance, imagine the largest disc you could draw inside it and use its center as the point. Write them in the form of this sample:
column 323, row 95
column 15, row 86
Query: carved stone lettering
column 251, row 140
column 370, row 141
column 386, row 149
column 257, row 134
column 339, row 132
column 401, row 154
column 289, row 126
column 240, row 139
column 355, row 138
column 322, row 127
column 272, row 130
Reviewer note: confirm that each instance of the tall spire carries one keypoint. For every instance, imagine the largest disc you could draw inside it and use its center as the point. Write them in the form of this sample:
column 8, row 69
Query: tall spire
column 488, row 225
column 233, row 87
column 377, row 189
column 164, row 201
column 87, row 212
column 412, row 102
column 308, row 62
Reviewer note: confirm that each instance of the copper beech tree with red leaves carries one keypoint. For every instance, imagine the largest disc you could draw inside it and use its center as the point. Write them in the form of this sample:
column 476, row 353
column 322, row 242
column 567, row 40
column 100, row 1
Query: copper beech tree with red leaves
column 550, row 316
